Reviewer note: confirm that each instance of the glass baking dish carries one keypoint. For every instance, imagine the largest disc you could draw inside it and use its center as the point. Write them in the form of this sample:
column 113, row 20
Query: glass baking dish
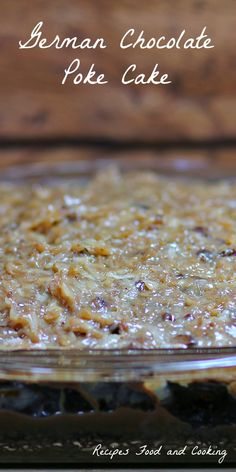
column 167, row 406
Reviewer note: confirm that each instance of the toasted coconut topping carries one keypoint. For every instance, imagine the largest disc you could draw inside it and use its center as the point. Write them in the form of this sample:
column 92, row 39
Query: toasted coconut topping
column 126, row 261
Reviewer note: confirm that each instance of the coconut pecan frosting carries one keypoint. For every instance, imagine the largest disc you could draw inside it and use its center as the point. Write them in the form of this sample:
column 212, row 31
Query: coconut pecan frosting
column 125, row 261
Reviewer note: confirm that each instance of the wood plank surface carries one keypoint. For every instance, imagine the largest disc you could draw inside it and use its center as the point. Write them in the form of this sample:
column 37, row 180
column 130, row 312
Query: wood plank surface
column 202, row 162
column 200, row 104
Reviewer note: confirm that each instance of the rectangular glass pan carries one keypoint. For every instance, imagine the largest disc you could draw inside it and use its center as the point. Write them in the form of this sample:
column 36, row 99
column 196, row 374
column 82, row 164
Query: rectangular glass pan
column 57, row 406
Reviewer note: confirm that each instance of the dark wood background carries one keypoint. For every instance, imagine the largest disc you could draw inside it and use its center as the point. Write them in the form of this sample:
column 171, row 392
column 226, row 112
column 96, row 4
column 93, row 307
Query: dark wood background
column 41, row 119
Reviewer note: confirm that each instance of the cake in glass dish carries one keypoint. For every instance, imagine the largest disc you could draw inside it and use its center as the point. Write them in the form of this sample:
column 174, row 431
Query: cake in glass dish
column 117, row 316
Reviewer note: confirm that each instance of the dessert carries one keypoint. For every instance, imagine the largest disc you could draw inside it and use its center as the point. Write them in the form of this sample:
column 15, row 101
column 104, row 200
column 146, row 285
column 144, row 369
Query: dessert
column 119, row 262
column 124, row 261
